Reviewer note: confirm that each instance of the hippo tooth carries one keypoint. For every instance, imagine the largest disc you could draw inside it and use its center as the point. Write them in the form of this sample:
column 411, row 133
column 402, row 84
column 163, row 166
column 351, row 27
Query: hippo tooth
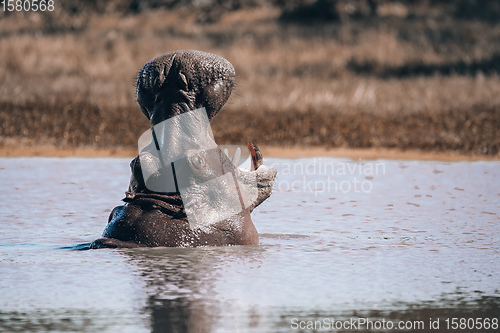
column 237, row 156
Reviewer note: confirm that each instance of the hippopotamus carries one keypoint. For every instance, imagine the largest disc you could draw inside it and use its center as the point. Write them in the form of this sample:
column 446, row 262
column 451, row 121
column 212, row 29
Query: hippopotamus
column 169, row 87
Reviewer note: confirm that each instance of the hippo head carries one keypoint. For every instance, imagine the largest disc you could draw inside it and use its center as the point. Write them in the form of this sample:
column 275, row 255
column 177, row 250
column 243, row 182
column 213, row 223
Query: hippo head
column 169, row 89
column 181, row 178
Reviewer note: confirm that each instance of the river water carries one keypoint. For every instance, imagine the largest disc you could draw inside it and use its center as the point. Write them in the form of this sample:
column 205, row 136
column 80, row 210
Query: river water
column 382, row 241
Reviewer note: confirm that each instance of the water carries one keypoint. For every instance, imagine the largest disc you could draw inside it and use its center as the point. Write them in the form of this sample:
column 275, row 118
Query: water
column 400, row 241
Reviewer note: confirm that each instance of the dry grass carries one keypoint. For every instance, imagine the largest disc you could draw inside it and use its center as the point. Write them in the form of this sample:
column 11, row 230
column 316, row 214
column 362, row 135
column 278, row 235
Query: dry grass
column 425, row 83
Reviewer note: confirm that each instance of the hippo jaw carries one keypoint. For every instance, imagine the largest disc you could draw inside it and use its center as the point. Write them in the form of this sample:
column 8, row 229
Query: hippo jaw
column 254, row 186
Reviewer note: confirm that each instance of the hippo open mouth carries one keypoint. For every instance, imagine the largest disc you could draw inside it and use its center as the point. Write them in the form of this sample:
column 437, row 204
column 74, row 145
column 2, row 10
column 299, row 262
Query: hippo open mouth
column 194, row 172
column 184, row 189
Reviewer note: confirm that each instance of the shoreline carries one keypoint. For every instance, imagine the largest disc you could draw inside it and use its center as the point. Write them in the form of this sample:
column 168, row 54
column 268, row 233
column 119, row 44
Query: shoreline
column 267, row 151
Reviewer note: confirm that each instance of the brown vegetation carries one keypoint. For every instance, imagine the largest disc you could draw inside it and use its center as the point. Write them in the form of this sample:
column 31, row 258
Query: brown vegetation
column 401, row 77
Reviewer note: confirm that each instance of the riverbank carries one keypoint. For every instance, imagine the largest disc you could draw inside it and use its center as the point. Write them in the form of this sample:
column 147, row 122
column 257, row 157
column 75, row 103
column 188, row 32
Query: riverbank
column 11, row 150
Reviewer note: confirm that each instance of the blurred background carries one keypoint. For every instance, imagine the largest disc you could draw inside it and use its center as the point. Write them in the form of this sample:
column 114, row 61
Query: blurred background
column 358, row 74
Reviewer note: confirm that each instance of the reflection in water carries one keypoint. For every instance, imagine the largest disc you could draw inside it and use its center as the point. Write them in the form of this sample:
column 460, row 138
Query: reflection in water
column 181, row 285
column 419, row 241
column 184, row 295
column 168, row 283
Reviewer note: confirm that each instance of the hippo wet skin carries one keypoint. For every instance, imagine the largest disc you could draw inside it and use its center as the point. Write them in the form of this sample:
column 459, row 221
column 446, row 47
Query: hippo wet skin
column 169, row 86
